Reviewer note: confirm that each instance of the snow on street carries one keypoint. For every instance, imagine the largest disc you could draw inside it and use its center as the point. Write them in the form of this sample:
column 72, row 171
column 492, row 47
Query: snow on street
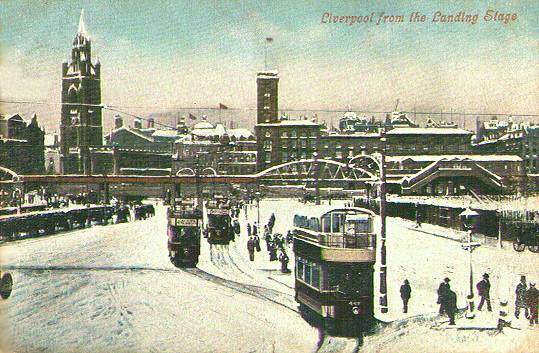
column 113, row 289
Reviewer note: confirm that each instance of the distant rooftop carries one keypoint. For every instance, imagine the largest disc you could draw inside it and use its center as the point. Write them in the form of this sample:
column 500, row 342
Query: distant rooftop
column 428, row 131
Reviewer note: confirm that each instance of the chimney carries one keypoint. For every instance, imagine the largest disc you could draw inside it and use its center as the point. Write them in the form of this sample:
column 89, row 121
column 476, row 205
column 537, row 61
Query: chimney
column 118, row 121
column 138, row 123
column 151, row 123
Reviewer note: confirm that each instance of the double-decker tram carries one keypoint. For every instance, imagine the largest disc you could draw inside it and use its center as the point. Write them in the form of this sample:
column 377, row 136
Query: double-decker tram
column 335, row 250
column 219, row 226
column 184, row 226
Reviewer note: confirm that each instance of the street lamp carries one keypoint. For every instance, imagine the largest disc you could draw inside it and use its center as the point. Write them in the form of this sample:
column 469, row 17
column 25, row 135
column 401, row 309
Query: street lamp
column 257, row 194
column 469, row 219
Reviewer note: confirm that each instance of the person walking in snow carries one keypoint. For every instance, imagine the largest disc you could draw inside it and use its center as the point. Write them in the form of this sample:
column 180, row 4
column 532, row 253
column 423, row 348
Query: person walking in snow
column 256, row 240
column 442, row 295
column 483, row 289
column 451, row 305
column 406, row 293
column 251, row 249
column 520, row 302
column 417, row 216
column 249, row 229
column 284, row 259
column 532, row 297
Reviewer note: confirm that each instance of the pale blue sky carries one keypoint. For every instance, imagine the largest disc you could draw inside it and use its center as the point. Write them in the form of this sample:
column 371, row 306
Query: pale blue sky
column 176, row 53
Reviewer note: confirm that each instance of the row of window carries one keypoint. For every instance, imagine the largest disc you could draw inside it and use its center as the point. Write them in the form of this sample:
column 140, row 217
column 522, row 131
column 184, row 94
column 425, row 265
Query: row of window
column 294, row 134
column 309, row 272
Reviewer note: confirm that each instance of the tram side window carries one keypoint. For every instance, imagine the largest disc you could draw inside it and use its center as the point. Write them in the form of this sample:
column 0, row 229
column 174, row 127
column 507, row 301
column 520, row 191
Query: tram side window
column 326, row 224
column 315, row 277
column 337, row 222
column 308, row 273
column 300, row 269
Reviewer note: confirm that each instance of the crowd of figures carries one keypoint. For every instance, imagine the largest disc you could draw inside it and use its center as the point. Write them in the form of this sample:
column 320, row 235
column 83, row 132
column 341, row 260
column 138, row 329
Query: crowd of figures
column 526, row 299
column 276, row 243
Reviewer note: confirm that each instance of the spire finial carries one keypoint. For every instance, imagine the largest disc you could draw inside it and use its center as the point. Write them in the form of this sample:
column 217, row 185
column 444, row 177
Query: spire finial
column 82, row 27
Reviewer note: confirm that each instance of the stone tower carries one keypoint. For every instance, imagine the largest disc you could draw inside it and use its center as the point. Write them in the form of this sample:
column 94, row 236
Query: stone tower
column 81, row 124
column 267, row 97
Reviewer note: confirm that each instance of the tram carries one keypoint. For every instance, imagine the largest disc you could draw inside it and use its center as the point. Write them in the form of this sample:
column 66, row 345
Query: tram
column 219, row 228
column 335, row 251
column 184, row 224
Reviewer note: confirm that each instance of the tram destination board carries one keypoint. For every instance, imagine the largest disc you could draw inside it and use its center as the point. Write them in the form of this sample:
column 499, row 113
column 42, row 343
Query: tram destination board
column 218, row 211
column 184, row 222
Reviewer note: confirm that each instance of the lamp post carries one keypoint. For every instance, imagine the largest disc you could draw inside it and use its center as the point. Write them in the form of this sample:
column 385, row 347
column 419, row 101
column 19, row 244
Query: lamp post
column 257, row 194
column 316, row 186
column 469, row 219
column 383, row 264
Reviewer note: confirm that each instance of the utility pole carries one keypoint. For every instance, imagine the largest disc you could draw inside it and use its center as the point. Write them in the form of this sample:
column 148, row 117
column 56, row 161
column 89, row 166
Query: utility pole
column 383, row 263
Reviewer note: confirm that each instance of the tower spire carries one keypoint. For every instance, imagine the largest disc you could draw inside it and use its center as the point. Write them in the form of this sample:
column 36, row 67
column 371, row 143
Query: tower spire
column 82, row 27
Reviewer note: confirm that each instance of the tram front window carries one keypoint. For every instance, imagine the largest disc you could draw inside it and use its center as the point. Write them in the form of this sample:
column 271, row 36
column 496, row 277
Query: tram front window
column 350, row 281
column 179, row 234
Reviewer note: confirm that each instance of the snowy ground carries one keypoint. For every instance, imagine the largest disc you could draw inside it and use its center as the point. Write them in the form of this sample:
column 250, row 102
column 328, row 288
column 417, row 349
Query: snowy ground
column 113, row 289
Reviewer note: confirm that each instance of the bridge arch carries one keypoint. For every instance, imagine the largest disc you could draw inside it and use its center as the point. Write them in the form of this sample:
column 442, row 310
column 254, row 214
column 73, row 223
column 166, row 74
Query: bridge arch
column 7, row 174
column 323, row 169
column 185, row 172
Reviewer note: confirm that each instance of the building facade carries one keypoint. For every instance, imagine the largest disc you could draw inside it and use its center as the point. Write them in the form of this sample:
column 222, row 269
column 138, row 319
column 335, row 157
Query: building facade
column 21, row 145
column 81, row 125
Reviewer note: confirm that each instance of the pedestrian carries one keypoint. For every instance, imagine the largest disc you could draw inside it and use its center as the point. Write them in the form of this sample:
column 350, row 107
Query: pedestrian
column 520, row 302
column 483, row 289
column 417, row 216
column 251, row 249
column 267, row 238
column 442, row 295
column 249, row 229
column 406, row 293
column 451, row 305
column 284, row 259
column 256, row 240
column 272, row 252
column 255, row 229
column 532, row 297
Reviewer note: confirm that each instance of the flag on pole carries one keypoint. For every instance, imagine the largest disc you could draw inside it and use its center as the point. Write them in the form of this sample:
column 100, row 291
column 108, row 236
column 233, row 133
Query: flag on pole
column 222, row 106
column 192, row 117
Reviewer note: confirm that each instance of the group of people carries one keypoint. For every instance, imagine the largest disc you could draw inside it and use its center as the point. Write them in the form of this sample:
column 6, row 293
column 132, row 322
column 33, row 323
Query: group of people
column 275, row 243
column 526, row 298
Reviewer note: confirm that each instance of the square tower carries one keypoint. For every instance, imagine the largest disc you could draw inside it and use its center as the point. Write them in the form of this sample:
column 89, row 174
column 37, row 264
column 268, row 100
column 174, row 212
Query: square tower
column 267, row 83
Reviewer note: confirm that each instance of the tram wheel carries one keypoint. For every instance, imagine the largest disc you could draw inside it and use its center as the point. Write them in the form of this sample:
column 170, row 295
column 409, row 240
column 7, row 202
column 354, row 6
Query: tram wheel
column 518, row 246
column 6, row 285
column 534, row 248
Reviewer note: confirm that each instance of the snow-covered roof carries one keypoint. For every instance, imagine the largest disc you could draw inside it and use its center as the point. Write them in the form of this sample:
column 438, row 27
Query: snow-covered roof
column 291, row 123
column 134, row 132
column 428, row 131
column 472, row 157
column 357, row 134
column 203, row 125
column 240, row 133
column 165, row 133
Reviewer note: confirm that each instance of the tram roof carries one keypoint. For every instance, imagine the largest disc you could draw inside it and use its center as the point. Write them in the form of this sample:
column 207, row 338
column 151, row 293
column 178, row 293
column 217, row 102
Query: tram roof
column 319, row 211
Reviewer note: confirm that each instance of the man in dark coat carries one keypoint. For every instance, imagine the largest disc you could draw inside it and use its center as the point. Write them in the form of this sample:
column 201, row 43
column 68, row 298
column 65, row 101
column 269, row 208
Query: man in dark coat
column 483, row 289
column 520, row 293
column 283, row 257
column 442, row 295
column 249, row 229
column 532, row 297
column 406, row 293
column 451, row 305
column 256, row 240
column 251, row 249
